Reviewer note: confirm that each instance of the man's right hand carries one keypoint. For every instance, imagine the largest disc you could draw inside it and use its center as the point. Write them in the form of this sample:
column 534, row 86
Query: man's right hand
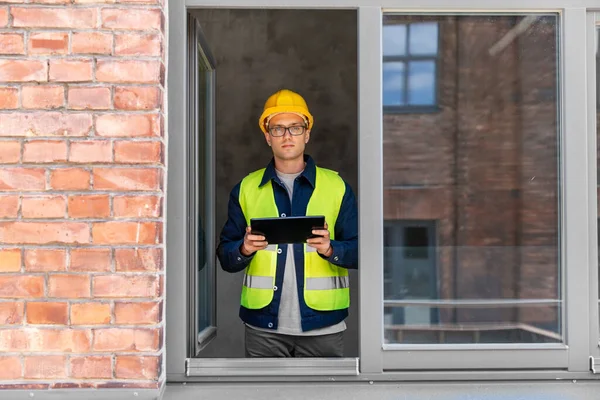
column 252, row 243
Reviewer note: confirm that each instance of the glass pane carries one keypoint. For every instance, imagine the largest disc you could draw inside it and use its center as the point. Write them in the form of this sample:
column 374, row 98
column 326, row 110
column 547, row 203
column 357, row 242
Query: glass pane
column 393, row 83
column 471, row 202
column 423, row 39
column 394, row 40
column 421, row 83
column 205, row 284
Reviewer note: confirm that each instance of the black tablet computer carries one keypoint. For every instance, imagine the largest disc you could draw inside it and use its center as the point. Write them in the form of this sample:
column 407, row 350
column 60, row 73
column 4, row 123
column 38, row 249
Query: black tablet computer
column 288, row 229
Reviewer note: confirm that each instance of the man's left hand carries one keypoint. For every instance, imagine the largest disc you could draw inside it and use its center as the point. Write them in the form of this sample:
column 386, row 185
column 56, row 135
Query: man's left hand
column 322, row 243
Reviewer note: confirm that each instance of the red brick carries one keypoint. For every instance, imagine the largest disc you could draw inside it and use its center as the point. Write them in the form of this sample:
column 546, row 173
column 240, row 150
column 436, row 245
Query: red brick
column 9, row 206
column 39, row 339
column 44, row 232
column 10, row 260
column 44, row 260
column 37, row 17
column 138, row 1
column 43, row 207
column 19, row 286
column 124, row 339
column 125, row 179
column 90, row 314
column 125, row 286
column 137, row 313
column 3, row 17
column 137, row 45
column 91, row 367
column 137, row 206
column 9, row 98
column 91, row 43
column 45, row 367
column 22, row 179
column 11, row 43
column 10, row 152
column 97, row 151
column 50, row 96
column 10, row 368
column 44, row 151
column 82, row 98
column 94, row 1
column 127, row 125
column 45, row 124
column 51, row 1
column 137, row 98
column 48, row 43
column 13, row 340
column 136, row 367
column 70, row 70
column 50, row 313
column 139, row 259
column 70, row 179
column 11, row 312
column 138, row 152
column 131, row 18
column 69, row 286
column 93, row 206
column 126, row 71
column 90, row 260
column 125, row 233
column 23, row 71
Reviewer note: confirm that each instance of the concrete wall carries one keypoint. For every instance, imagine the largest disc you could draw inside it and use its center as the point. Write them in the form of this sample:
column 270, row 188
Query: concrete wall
column 258, row 52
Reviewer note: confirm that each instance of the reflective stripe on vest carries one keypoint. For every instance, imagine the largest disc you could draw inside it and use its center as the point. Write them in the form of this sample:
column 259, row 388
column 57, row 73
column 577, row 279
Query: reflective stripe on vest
column 335, row 282
column 326, row 286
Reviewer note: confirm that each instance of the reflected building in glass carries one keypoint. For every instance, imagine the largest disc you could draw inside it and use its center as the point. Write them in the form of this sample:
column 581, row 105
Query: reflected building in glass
column 471, row 175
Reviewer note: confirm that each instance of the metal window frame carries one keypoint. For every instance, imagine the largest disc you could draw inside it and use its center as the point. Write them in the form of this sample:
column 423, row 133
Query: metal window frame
column 578, row 200
column 593, row 107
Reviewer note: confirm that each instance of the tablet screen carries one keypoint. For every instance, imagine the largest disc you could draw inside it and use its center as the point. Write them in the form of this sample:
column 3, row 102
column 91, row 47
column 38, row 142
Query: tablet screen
column 288, row 229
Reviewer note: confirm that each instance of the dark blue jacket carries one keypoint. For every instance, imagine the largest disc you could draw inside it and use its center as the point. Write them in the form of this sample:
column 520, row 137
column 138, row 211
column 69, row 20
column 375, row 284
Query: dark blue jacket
column 345, row 246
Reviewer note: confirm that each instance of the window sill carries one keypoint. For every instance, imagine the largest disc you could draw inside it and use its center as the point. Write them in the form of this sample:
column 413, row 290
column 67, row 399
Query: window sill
column 411, row 109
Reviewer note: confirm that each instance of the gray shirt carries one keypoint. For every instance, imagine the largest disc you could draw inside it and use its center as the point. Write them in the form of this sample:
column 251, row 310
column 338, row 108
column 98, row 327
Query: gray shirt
column 289, row 307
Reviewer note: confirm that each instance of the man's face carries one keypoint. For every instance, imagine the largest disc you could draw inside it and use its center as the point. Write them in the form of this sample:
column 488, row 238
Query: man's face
column 288, row 146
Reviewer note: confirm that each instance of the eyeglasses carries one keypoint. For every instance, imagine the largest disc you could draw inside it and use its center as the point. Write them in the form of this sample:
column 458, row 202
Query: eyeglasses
column 294, row 130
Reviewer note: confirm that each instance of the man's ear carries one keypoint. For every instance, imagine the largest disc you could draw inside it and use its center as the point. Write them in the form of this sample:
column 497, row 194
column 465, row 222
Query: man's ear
column 267, row 138
column 307, row 136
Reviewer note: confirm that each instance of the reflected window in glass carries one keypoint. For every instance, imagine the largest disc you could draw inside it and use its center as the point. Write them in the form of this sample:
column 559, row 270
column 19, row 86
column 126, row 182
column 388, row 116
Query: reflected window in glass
column 410, row 54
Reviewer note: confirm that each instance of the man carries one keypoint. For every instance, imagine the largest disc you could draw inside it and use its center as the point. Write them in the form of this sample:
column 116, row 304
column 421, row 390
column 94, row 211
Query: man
column 294, row 297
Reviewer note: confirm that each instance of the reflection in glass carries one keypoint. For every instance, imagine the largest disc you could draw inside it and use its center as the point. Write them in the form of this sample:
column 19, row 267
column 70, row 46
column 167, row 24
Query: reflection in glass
column 393, row 83
column 414, row 86
column 421, row 82
column 423, row 38
column 205, row 286
column 471, row 189
column 394, row 40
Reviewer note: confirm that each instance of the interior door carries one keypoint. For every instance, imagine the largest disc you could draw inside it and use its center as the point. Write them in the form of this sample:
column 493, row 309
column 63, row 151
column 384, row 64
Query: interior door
column 201, row 224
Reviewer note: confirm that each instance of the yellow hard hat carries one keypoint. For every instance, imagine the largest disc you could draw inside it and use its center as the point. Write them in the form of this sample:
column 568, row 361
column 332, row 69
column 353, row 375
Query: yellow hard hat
column 284, row 101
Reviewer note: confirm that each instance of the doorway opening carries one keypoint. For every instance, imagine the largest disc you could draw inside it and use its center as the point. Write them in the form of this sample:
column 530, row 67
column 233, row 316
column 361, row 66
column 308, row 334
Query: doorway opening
column 238, row 58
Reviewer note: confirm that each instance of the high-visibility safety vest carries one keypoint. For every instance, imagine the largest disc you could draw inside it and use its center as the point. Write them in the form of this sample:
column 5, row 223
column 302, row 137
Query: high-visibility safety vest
column 326, row 286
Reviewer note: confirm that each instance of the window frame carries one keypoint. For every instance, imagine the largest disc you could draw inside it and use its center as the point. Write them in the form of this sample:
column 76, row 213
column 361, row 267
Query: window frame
column 406, row 59
column 593, row 96
column 579, row 201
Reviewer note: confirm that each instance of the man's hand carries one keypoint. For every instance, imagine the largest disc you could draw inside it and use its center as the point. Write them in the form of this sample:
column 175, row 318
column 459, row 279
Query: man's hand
column 252, row 243
column 323, row 243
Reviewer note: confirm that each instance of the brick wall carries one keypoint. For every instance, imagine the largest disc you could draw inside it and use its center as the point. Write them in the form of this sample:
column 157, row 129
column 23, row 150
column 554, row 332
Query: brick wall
column 81, row 193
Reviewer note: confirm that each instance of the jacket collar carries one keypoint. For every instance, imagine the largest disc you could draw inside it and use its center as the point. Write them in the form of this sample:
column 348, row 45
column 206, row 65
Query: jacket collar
column 309, row 173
